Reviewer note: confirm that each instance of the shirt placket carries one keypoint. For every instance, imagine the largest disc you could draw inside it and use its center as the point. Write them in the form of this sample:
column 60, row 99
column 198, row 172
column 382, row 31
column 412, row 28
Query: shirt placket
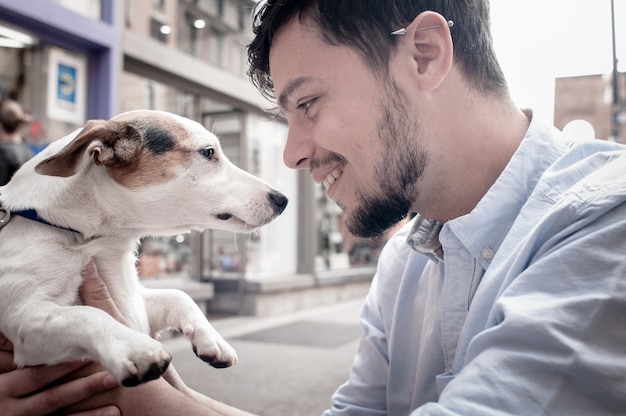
column 462, row 271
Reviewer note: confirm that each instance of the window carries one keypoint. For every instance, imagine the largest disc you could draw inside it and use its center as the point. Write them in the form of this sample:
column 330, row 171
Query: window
column 159, row 30
column 87, row 8
column 337, row 248
column 213, row 8
column 190, row 33
column 216, row 48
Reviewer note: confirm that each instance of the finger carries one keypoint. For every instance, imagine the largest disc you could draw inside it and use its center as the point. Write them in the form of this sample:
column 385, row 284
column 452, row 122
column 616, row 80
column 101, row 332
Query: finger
column 70, row 393
column 94, row 292
column 103, row 411
column 5, row 343
column 6, row 362
column 26, row 380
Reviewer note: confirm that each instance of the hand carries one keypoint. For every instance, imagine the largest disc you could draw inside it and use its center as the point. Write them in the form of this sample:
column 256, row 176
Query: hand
column 37, row 390
column 94, row 292
column 20, row 388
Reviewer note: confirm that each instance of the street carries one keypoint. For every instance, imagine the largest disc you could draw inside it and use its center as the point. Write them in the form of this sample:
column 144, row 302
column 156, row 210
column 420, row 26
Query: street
column 288, row 365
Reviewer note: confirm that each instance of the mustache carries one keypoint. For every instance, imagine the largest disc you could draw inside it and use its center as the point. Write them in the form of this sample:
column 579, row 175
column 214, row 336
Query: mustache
column 327, row 160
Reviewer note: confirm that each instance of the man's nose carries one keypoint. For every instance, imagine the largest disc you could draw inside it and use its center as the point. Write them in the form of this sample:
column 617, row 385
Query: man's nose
column 298, row 150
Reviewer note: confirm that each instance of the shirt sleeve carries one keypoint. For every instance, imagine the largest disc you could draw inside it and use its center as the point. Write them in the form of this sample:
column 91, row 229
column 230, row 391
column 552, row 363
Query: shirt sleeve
column 365, row 391
column 556, row 342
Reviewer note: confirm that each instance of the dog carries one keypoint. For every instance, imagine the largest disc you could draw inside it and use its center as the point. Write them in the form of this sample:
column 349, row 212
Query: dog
column 93, row 195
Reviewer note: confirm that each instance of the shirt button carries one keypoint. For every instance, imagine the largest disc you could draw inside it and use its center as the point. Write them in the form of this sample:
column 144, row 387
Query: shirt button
column 487, row 253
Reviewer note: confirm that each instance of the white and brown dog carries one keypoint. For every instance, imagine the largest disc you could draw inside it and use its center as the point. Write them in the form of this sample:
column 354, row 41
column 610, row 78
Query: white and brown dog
column 94, row 194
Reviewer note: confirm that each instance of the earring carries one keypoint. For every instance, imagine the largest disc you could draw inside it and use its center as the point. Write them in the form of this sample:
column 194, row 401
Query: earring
column 403, row 31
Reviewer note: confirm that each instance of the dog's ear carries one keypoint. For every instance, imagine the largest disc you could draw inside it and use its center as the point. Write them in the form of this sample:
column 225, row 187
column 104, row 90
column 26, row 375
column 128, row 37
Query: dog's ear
column 108, row 143
column 117, row 146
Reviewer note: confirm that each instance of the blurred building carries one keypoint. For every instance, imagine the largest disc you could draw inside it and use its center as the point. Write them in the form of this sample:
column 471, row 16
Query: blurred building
column 67, row 61
column 590, row 99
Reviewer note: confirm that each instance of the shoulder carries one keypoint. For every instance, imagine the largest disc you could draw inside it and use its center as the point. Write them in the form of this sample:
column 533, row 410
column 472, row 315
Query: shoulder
column 573, row 174
column 17, row 153
column 588, row 178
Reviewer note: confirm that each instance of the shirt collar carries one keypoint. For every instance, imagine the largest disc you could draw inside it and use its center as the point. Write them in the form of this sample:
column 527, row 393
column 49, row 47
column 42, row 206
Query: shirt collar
column 424, row 237
column 483, row 229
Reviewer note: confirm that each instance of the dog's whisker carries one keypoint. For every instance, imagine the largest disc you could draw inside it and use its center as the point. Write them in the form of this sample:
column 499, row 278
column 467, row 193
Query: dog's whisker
column 236, row 245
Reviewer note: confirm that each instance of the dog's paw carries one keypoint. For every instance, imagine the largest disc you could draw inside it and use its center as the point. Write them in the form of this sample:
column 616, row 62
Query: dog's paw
column 210, row 347
column 138, row 361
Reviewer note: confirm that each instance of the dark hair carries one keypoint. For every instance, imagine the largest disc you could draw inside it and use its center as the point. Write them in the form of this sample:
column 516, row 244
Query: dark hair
column 12, row 116
column 365, row 25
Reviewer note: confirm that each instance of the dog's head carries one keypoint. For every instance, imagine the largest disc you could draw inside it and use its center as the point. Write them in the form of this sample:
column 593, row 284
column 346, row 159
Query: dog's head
column 168, row 172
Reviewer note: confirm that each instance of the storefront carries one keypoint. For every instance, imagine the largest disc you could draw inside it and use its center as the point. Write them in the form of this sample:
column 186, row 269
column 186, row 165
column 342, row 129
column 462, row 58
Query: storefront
column 60, row 62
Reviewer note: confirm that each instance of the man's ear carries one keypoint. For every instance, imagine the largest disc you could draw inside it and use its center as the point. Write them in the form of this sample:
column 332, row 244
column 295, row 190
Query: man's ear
column 432, row 48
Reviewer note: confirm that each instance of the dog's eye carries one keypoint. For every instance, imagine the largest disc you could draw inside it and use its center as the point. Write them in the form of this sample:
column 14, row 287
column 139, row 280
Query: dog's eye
column 207, row 152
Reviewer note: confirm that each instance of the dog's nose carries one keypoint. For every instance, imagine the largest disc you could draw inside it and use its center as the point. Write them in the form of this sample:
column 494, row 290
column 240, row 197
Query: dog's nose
column 279, row 200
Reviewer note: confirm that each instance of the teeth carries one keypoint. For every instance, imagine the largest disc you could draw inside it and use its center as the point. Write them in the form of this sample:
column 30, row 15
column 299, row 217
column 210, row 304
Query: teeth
column 331, row 178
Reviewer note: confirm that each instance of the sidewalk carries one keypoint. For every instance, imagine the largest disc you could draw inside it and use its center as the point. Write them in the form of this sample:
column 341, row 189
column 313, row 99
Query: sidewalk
column 289, row 365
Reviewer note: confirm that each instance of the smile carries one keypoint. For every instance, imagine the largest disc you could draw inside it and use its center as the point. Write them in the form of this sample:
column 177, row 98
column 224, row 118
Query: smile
column 331, row 177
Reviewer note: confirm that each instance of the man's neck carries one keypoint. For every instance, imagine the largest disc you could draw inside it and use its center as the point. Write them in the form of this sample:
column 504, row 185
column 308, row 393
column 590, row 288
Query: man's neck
column 478, row 135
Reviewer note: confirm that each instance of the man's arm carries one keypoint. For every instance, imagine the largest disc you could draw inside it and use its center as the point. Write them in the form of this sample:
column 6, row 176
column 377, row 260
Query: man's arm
column 365, row 392
column 156, row 398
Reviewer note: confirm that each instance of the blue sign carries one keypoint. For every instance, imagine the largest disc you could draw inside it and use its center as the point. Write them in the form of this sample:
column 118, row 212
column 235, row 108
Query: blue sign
column 66, row 86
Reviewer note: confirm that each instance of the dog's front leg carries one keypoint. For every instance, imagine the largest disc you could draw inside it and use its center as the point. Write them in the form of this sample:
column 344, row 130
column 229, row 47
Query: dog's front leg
column 174, row 309
column 49, row 334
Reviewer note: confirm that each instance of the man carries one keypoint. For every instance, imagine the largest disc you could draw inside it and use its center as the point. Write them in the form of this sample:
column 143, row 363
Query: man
column 13, row 152
column 507, row 292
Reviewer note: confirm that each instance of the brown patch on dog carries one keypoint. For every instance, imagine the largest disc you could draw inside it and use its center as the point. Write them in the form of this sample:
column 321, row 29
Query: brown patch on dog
column 137, row 151
column 149, row 168
column 157, row 162
column 116, row 145
column 64, row 163
column 109, row 143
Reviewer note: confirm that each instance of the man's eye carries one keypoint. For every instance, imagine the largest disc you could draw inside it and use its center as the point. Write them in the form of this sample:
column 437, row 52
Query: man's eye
column 305, row 105
column 207, row 152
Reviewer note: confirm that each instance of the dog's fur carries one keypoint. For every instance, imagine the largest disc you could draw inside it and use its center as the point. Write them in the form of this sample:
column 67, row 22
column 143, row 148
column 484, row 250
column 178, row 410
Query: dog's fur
column 141, row 173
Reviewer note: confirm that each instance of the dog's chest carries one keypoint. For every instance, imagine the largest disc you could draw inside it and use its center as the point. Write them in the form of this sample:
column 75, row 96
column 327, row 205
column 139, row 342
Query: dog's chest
column 126, row 291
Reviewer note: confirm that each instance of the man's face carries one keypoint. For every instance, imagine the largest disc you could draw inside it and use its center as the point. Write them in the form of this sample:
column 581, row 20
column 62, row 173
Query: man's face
column 348, row 128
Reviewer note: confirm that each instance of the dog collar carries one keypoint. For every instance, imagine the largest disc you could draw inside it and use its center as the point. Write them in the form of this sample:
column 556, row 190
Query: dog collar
column 5, row 216
column 31, row 214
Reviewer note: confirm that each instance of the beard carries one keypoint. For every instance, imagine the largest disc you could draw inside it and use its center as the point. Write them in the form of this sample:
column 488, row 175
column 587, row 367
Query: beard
column 397, row 175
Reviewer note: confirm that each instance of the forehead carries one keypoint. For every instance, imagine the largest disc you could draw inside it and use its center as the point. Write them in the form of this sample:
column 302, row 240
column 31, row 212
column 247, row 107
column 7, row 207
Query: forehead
column 302, row 64
column 304, row 67
column 292, row 53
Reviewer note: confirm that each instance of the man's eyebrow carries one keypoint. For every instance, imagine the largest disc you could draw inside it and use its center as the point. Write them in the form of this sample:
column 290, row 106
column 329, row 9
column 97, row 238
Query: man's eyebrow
column 290, row 88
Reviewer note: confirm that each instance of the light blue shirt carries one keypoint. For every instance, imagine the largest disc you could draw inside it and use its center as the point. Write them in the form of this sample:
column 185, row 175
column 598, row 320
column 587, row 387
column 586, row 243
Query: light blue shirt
column 522, row 311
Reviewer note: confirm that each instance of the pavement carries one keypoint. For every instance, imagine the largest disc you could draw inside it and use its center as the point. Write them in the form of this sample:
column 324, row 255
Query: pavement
column 289, row 365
